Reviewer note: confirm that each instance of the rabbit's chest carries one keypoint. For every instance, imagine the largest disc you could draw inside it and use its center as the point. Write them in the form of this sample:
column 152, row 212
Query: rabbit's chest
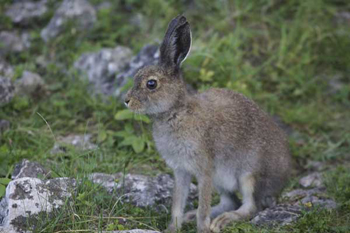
column 178, row 150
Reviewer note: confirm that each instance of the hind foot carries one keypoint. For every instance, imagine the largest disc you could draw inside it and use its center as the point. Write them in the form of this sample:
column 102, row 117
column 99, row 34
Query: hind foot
column 220, row 222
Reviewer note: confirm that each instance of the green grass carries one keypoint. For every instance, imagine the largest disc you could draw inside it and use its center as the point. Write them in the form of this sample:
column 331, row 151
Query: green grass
column 282, row 54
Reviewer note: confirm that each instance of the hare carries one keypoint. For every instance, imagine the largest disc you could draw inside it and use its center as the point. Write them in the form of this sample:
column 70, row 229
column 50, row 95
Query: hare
column 219, row 136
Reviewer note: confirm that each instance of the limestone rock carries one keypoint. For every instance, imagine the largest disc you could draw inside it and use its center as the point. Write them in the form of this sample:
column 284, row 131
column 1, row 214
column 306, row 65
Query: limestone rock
column 311, row 180
column 108, row 181
column 141, row 190
column 27, row 197
column 27, row 168
column 282, row 214
column 291, row 209
column 102, row 66
column 103, row 6
column 7, row 90
column 80, row 12
column 29, row 84
column 12, row 42
column 6, row 70
column 79, row 142
column 310, row 197
column 343, row 17
column 23, row 12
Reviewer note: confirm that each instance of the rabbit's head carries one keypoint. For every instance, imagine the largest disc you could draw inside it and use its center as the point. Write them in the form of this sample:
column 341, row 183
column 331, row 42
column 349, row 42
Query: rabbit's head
column 159, row 88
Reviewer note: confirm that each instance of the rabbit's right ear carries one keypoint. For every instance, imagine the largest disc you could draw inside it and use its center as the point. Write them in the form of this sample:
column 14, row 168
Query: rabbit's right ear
column 176, row 44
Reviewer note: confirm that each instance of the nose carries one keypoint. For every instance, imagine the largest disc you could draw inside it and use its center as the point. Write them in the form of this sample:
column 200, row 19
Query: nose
column 127, row 100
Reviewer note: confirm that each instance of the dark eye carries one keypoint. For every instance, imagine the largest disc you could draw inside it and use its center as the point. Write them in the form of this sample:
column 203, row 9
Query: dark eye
column 151, row 84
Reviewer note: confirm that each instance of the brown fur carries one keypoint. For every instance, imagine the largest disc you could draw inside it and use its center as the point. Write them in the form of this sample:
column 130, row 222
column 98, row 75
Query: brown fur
column 220, row 137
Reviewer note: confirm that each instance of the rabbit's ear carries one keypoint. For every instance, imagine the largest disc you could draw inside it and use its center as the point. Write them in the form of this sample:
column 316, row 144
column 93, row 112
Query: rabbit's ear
column 176, row 44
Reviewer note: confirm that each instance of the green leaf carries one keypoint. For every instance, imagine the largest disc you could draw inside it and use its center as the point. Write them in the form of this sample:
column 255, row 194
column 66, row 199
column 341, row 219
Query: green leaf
column 59, row 103
column 20, row 103
column 81, row 196
column 120, row 227
column 125, row 114
column 4, row 149
column 87, row 203
column 111, row 227
column 138, row 145
column 129, row 128
column 122, row 134
column 2, row 190
column 143, row 118
column 4, row 181
column 129, row 141
column 102, row 135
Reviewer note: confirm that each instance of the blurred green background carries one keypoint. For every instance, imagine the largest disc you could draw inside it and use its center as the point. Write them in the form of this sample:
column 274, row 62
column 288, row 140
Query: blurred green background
column 291, row 57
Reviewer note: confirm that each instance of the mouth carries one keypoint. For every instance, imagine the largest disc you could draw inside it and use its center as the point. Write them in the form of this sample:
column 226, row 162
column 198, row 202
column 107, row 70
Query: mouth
column 135, row 110
column 135, row 106
column 138, row 111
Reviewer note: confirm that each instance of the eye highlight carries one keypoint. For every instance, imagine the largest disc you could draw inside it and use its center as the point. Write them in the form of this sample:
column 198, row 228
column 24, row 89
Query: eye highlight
column 151, row 84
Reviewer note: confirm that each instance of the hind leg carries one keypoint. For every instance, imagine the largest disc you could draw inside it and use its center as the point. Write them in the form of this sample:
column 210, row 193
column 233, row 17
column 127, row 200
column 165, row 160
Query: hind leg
column 246, row 211
column 228, row 202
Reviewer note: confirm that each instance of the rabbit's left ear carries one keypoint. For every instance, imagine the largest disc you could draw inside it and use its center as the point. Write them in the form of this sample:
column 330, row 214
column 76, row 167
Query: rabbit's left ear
column 176, row 44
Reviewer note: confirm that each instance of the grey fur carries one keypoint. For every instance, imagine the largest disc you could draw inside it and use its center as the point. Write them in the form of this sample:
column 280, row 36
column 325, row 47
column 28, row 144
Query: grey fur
column 220, row 137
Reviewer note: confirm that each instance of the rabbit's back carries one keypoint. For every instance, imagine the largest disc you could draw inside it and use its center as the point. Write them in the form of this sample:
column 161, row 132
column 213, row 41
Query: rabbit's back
column 245, row 139
column 237, row 124
column 227, row 124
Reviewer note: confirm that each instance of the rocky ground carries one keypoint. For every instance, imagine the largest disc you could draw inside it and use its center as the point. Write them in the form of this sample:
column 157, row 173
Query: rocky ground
column 67, row 145
column 108, row 70
column 27, row 196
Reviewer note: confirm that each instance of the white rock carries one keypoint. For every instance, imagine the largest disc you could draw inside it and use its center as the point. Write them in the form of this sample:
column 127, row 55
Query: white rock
column 27, row 168
column 7, row 90
column 6, row 70
column 13, row 42
column 282, row 214
column 80, row 12
column 79, row 142
column 141, row 190
column 310, row 197
column 30, row 83
column 26, row 197
column 22, row 12
column 311, row 180
column 298, row 200
column 102, row 66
